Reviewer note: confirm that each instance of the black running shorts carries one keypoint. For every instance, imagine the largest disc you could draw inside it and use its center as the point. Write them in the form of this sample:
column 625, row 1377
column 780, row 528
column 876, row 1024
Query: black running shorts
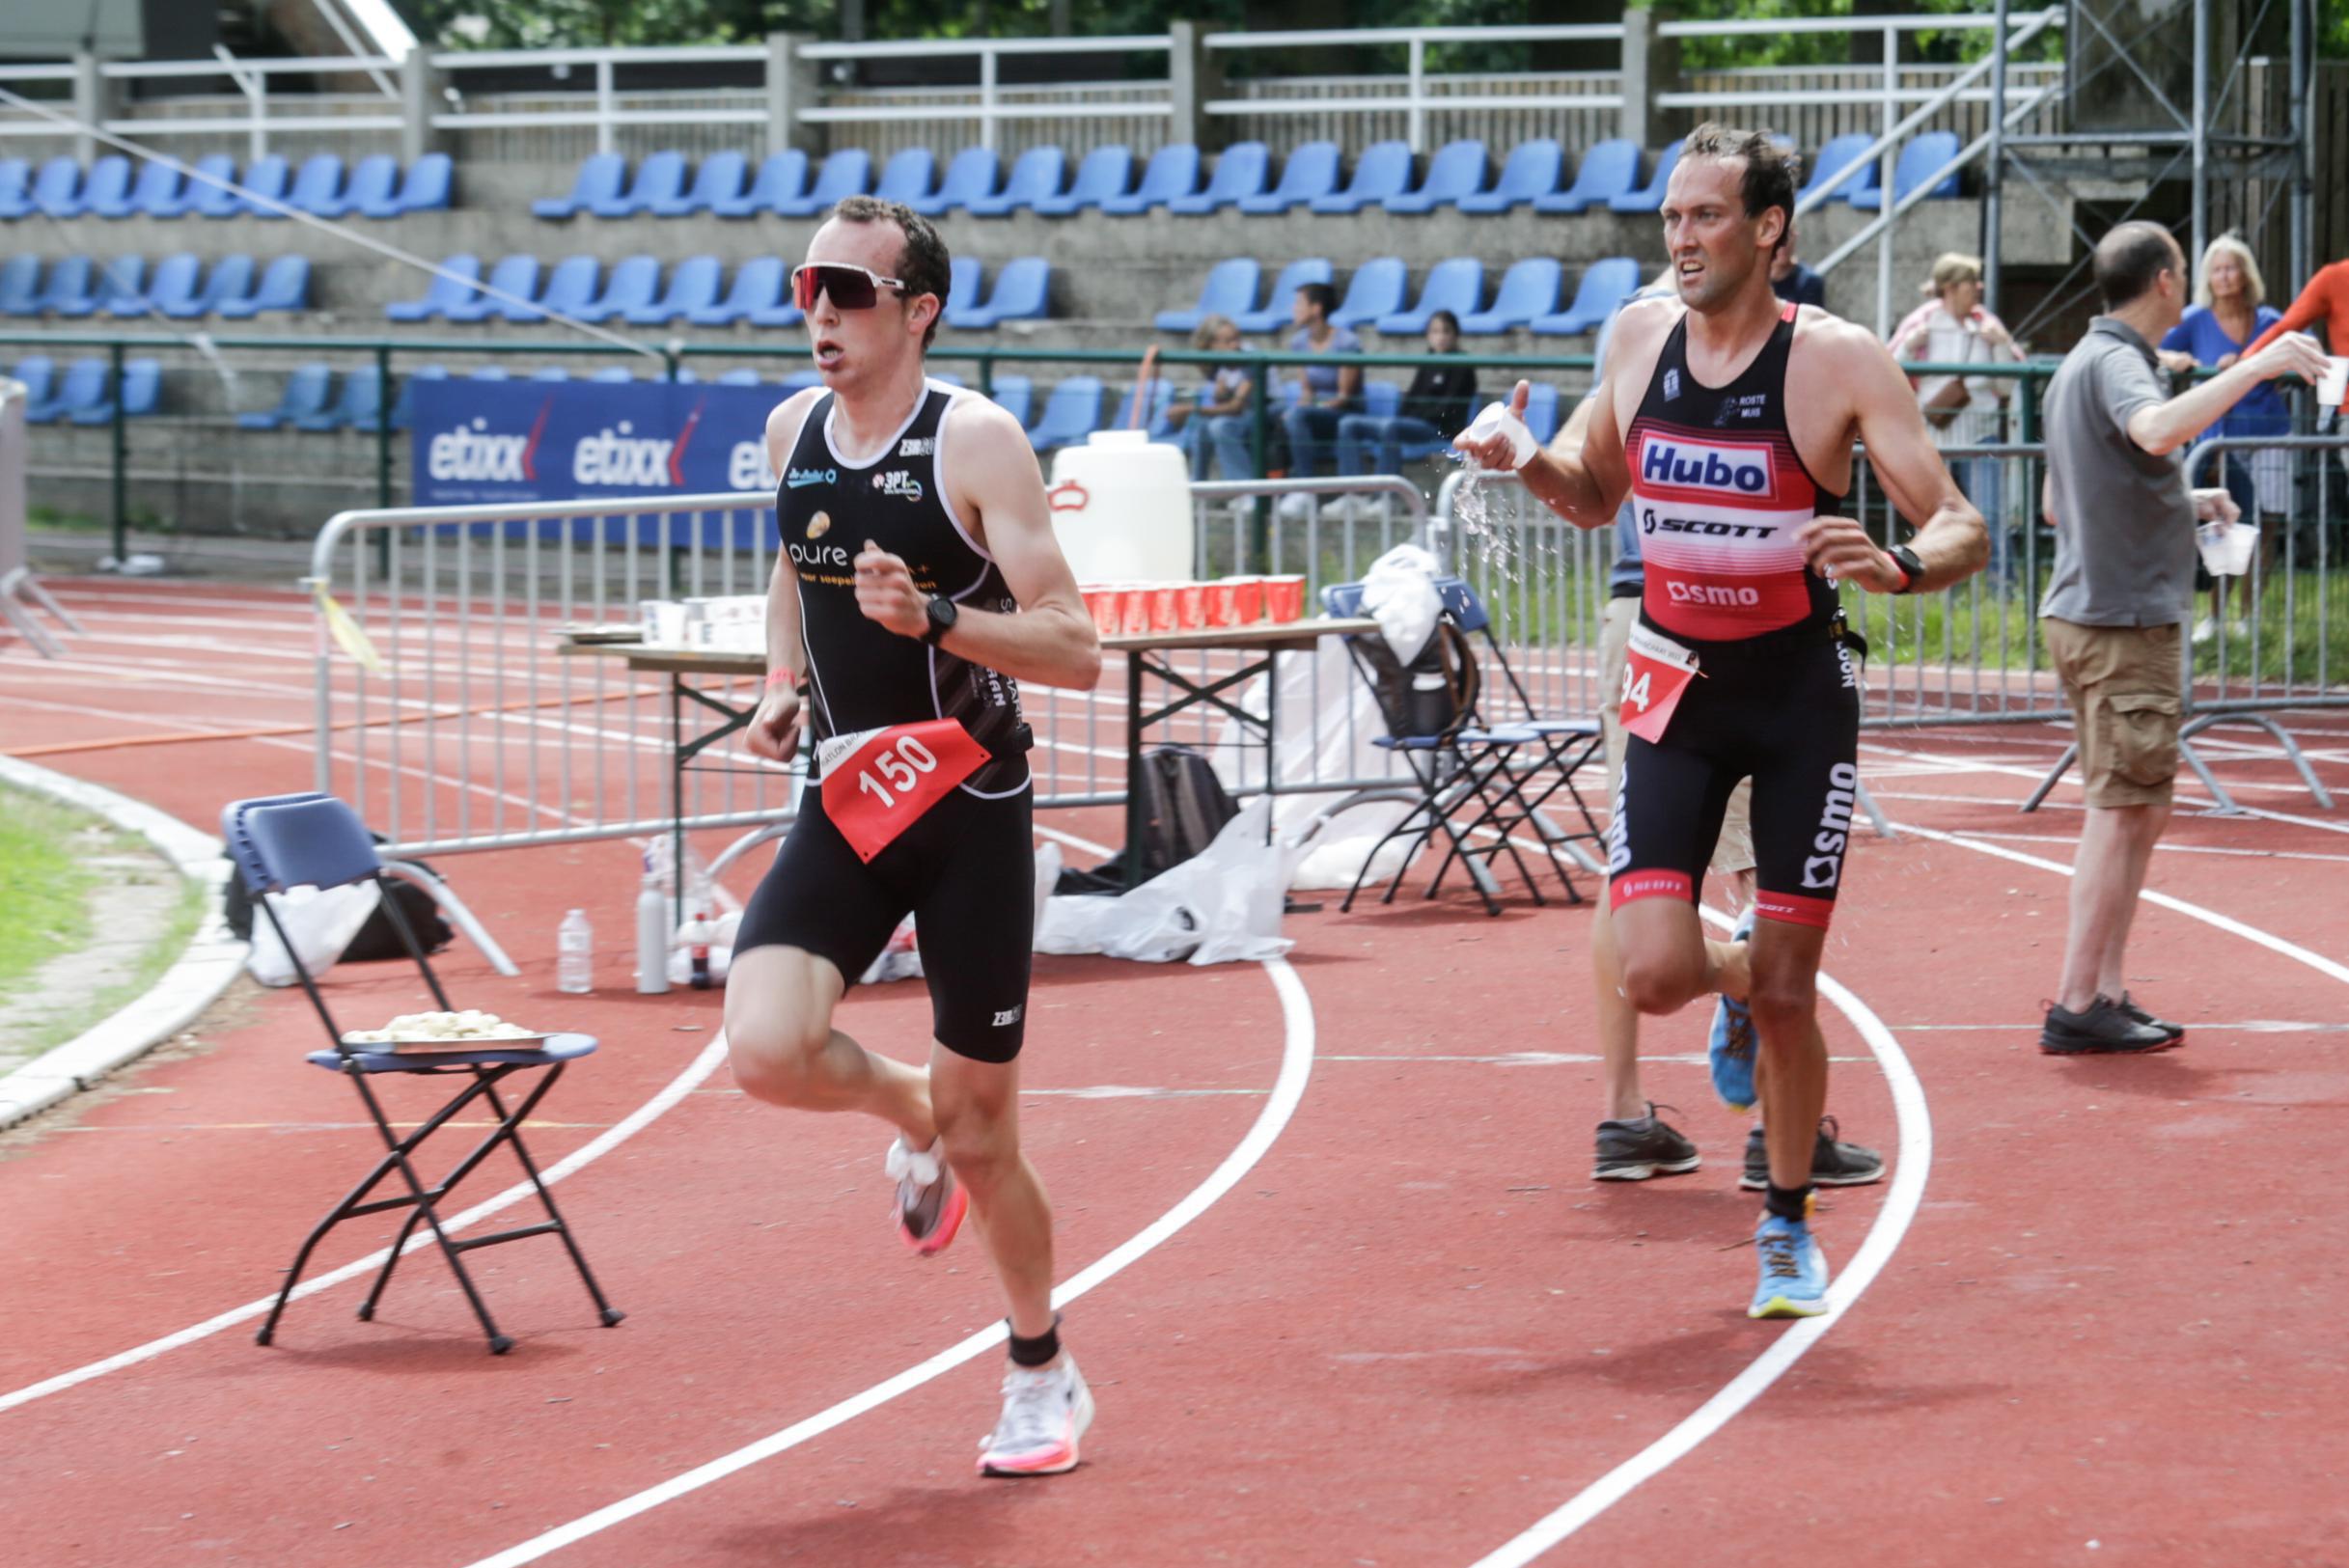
column 965, row 872
column 1789, row 718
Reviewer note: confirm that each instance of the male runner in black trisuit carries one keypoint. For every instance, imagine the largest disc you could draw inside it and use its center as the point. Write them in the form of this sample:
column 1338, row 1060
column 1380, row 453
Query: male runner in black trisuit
column 918, row 581
column 1728, row 419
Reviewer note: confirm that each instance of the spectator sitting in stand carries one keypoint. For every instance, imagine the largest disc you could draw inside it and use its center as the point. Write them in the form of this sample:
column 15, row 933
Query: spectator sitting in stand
column 1441, row 398
column 1326, row 391
column 1220, row 418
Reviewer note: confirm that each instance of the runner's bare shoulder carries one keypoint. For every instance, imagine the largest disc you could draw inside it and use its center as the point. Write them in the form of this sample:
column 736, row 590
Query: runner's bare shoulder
column 975, row 418
column 785, row 419
column 1637, row 342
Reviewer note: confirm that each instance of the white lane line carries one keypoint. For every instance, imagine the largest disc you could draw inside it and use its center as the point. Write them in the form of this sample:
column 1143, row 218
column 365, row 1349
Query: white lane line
column 2167, row 848
column 643, row 1116
column 1916, row 1158
column 1288, row 1088
column 1962, row 765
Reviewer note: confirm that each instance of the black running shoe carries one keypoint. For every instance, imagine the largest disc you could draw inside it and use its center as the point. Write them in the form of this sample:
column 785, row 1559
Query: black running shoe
column 2105, row 1028
column 1642, row 1147
column 1833, row 1163
column 2176, row 1032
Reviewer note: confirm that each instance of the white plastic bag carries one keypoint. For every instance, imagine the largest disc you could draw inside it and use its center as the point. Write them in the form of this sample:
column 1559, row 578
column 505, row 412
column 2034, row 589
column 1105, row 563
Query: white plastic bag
column 1398, row 592
column 1221, row 906
column 319, row 921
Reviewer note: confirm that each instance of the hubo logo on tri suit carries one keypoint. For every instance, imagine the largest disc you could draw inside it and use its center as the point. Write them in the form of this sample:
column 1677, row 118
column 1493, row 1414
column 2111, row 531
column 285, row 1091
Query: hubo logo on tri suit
column 898, row 483
column 1822, row 870
column 1714, row 468
column 472, row 454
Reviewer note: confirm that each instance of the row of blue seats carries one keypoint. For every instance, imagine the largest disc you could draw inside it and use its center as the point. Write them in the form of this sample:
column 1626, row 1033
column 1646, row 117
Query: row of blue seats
column 1528, row 296
column 376, row 188
column 78, row 287
column 85, row 395
column 1614, row 175
column 634, row 292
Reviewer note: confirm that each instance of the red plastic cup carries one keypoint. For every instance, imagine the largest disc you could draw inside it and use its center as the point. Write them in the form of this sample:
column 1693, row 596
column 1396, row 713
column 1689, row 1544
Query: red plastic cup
column 1216, row 607
column 1164, row 607
column 1247, row 600
column 1191, row 605
column 1101, row 603
column 1284, row 599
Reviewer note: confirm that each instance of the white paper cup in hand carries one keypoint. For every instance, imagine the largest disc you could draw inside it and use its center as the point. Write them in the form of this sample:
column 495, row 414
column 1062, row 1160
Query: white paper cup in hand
column 1497, row 420
column 2227, row 547
column 2333, row 387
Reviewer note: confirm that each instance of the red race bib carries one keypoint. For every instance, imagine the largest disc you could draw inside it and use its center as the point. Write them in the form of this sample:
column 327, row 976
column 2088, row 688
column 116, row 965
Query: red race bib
column 1656, row 670
column 879, row 783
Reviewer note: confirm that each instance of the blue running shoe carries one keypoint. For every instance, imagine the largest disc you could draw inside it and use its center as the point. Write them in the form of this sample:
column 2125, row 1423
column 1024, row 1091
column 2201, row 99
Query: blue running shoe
column 1793, row 1270
column 1730, row 1050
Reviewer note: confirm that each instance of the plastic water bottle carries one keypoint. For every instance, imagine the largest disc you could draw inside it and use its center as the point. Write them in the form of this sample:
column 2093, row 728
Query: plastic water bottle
column 575, row 954
column 652, row 934
column 1498, row 419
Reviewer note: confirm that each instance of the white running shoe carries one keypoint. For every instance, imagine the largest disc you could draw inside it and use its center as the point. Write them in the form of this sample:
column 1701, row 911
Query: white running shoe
column 931, row 1202
column 1046, row 1410
column 1297, row 506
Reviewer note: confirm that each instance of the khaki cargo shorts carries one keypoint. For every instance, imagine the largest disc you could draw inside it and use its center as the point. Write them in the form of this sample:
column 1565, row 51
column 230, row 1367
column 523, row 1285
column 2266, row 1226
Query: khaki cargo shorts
column 1733, row 850
column 2122, row 682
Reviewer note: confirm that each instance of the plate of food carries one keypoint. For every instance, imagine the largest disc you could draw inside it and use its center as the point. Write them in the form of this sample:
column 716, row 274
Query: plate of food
column 623, row 631
column 420, row 1032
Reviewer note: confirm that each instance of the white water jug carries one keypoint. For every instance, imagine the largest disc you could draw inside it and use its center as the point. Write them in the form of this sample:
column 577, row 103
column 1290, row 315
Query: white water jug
column 1122, row 509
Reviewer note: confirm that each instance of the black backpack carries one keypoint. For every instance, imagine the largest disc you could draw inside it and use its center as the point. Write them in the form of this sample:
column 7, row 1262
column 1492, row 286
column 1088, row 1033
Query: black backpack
column 1435, row 694
column 375, row 939
column 1183, row 806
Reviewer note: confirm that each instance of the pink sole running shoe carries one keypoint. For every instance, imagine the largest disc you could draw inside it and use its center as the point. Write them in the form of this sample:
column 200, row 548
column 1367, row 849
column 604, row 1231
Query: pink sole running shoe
column 930, row 1203
column 1046, row 1412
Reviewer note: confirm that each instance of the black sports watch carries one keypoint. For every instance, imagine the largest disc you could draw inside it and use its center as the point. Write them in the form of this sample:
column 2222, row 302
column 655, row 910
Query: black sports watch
column 941, row 611
column 1906, row 560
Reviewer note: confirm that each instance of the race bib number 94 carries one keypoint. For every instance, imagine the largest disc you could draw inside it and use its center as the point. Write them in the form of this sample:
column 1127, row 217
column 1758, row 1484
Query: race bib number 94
column 1656, row 670
column 879, row 783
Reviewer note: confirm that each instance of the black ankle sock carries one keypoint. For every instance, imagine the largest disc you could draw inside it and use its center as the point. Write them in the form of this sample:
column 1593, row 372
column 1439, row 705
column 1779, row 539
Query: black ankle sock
column 1788, row 1202
column 1038, row 1351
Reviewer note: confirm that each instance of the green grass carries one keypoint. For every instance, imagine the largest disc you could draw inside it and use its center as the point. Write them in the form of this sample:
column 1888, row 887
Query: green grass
column 42, row 885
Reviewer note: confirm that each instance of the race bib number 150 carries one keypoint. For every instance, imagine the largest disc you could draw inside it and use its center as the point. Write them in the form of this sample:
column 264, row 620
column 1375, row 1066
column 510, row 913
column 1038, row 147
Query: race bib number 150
column 879, row 783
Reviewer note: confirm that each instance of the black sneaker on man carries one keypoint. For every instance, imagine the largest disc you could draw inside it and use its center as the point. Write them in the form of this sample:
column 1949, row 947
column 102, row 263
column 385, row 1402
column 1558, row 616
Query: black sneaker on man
column 1639, row 1147
column 2128, row 1005
column 2102, row 1029
column 1833, row 1163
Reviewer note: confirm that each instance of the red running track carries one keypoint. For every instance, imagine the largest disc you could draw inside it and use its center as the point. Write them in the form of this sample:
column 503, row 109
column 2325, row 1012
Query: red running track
column 1411, row 1330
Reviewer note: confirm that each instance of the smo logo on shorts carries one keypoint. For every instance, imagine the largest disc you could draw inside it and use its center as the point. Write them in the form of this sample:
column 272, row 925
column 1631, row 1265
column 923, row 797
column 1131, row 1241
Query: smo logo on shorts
column 1825, row 866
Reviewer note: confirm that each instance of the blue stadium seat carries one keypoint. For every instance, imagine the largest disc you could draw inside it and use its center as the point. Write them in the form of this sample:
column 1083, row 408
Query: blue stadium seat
column 487, row 372
column 1035, row 175
column 1231, row 290
column 845, row 174
column 975, row 173
column 660, row 177
column 1104, row 173
column 1649, row 198
column 67, row 290
column 1280, row 303
column 962, row 296
column 173, row 284
column 782, row 313
column 425, row 190
column 632, row 284
column 358, row 407
column 1608, row 171
column 1381, row 399
column 739, row 378
column 285, row 286
column 267, row 175
column 1015, row 395
column 441, row 293
column 404, row 407
column 304, row 397
column 15, row 188
column 1071, row 414
column 514, row 275
column 1917, row 164
column 1456, row 170
column 1532, row 171
column 142, row 393
column 161, row 192
column 1154, row 415
column 57, row 191
column 1833, row 159
column 20, row 285
column 207, row 200
column 118, row 278
column 1309, row 175
column 1022, row 292
column 1604, row 285
column 782, row 176
column 599, row 179
column 1383, row 170
column 1529, row 290
column 1542, row 411
column 570, row 288
column 1455, row 283
column 1376, row 290
column 1242, row 170
column 107, row 195
column 910, row 177
column 83, row 388
column 374, row 182
column 1173, row 174
column 231, row 278
column 317, row 189
column 719, row 179
column 36, row 374
column 800, row 382
column 693, row 286
column 758, row 285
column 558, row 372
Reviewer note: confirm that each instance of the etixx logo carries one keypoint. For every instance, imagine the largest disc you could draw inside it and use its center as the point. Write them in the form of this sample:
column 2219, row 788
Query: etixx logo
column 471, row 454
column 616, row 456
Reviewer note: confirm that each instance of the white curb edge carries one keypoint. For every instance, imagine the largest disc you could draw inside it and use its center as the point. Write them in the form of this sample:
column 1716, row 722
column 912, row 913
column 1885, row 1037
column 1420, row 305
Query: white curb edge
column 212, row 960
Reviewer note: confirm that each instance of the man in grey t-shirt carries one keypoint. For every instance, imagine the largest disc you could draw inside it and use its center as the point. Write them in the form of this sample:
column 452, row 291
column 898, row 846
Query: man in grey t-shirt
column 2116, row 496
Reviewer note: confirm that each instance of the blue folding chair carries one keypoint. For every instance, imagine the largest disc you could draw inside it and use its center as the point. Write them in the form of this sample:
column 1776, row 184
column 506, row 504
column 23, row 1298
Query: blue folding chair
column 1278, row 307
column 1532, row 171
column 1173, row 174
column 1242, row 170
column 284, row 841
column 1105, row 173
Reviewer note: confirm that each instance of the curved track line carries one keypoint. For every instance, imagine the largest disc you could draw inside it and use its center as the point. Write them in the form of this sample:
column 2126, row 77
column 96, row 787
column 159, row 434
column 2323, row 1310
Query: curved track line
column 1288, row 1088
column 1883, row 1237
column 587, row 1154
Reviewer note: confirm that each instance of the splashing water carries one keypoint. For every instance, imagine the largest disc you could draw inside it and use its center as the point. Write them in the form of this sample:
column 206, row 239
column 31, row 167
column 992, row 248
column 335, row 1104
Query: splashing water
column 1487, row 538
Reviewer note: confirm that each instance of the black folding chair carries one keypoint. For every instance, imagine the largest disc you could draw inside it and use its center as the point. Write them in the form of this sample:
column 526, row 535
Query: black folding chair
column 284, row 841
column 1455, row 766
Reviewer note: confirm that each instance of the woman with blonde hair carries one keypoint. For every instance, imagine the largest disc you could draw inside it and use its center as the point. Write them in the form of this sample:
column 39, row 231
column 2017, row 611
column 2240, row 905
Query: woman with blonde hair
column 2230, row 311
column 1952, row 328
column 1219, row 418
